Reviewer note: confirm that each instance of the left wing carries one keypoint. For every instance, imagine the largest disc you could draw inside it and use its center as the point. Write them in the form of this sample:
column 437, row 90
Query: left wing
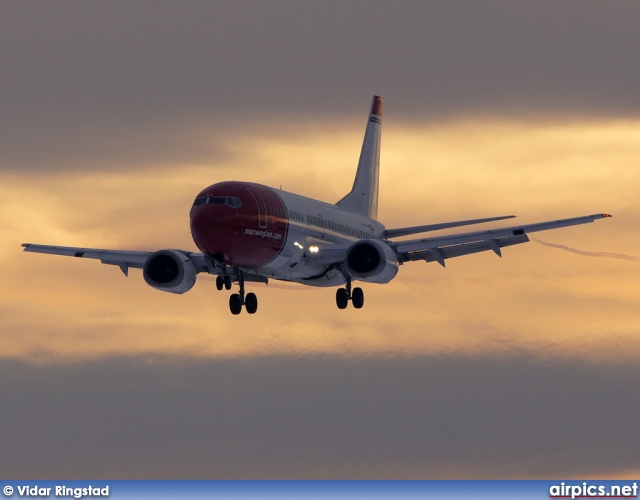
column 440, row 248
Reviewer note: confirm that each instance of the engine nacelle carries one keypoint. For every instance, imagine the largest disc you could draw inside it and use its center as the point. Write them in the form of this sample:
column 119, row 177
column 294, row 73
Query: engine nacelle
column 169, row 271
column 372, row 261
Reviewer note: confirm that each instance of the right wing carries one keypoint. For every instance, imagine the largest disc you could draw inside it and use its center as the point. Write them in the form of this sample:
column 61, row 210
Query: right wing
column 126, row 259
column 440, row 248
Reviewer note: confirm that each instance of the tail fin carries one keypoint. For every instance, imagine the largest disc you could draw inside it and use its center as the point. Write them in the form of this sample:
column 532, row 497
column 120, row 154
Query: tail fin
column 363, row 198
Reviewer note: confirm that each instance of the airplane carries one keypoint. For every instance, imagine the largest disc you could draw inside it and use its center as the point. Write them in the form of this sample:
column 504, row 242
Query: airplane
column 248, row 232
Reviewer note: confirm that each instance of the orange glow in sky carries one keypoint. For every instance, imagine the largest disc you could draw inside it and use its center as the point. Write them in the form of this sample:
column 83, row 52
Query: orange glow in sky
column 549, row 301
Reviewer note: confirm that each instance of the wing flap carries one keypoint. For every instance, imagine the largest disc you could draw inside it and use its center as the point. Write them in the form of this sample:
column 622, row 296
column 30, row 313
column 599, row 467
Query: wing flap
column 479, row 236
column 440, row 248
column 440, row 254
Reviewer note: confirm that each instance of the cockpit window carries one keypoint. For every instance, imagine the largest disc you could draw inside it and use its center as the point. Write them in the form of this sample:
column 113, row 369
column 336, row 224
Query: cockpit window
column 231, row 201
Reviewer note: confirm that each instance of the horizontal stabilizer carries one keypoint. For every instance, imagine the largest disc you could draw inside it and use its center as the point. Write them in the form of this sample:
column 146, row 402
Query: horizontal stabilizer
column 404, row 231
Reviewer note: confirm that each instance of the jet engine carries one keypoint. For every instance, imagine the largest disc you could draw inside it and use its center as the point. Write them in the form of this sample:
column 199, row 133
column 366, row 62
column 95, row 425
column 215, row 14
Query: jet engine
column 169, row 271
column 372, row 261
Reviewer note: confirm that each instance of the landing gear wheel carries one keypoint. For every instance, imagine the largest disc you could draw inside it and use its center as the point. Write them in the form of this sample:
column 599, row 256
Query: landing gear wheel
column 251, row 303
column 235, row 303
column 227, row 282
column 357, row 296
column 219, row 282
column 342, row 298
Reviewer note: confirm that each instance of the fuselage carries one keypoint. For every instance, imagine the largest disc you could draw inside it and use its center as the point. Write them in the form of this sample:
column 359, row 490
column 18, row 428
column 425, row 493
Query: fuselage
column 269, row 231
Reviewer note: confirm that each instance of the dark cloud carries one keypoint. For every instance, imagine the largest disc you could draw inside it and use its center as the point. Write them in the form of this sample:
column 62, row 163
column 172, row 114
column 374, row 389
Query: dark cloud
column 128, row 81
column 319, row 417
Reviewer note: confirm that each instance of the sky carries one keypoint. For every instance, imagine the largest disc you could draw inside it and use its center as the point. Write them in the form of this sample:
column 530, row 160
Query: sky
column 116, row 114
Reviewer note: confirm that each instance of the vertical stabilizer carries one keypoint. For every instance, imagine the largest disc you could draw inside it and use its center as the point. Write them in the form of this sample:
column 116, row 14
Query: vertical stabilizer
column 363, row 198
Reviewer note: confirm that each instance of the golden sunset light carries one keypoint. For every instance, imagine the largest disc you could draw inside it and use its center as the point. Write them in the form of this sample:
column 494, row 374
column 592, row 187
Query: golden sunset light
column 542, row 296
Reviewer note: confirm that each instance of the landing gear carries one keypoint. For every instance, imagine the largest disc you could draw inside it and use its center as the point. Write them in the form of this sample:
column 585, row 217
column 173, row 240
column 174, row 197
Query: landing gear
column 344, row 295
column 342, row 298
column 223, row 282
column 237, row 300
column 251, row 303
column 235, row 304
column 357, row 297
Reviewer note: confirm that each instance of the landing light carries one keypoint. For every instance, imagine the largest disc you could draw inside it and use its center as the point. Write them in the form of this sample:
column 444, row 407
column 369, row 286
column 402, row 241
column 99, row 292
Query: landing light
column 298, row 245
column 313, row 249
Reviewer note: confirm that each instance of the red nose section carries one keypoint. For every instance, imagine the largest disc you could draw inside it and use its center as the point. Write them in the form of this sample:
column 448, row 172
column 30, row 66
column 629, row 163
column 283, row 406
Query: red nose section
column 240, row 223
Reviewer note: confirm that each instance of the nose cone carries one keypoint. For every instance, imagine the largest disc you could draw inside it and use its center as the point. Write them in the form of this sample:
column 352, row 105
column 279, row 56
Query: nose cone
column 216, row 218
column 240, row 223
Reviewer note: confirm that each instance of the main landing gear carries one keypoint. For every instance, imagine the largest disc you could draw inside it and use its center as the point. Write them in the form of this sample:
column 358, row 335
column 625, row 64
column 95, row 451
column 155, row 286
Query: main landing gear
column 237, row 300
column 344, row 295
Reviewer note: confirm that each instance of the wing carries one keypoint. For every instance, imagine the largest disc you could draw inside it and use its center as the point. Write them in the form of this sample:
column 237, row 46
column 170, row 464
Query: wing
column 124, row 259
column 440, row 248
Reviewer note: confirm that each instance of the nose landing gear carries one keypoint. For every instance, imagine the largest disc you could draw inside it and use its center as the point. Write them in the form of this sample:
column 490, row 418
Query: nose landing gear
column 223, row 281
column 237, row 300
column 344, row 295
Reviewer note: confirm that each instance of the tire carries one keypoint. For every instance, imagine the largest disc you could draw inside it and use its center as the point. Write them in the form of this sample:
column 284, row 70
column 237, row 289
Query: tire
column 235, row 304
column 357, row 297
column 219, row 282
column 251, row 303
column 227, row 282
column 342, row 298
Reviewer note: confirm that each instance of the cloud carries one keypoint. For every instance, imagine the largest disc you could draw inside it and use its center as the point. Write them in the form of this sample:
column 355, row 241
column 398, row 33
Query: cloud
column 115, row 116
column 123, row 85
column 534, row 300
column 319, row 417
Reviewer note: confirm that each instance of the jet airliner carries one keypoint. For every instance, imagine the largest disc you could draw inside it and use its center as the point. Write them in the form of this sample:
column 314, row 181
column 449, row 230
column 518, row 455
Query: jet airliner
column 248, row 232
